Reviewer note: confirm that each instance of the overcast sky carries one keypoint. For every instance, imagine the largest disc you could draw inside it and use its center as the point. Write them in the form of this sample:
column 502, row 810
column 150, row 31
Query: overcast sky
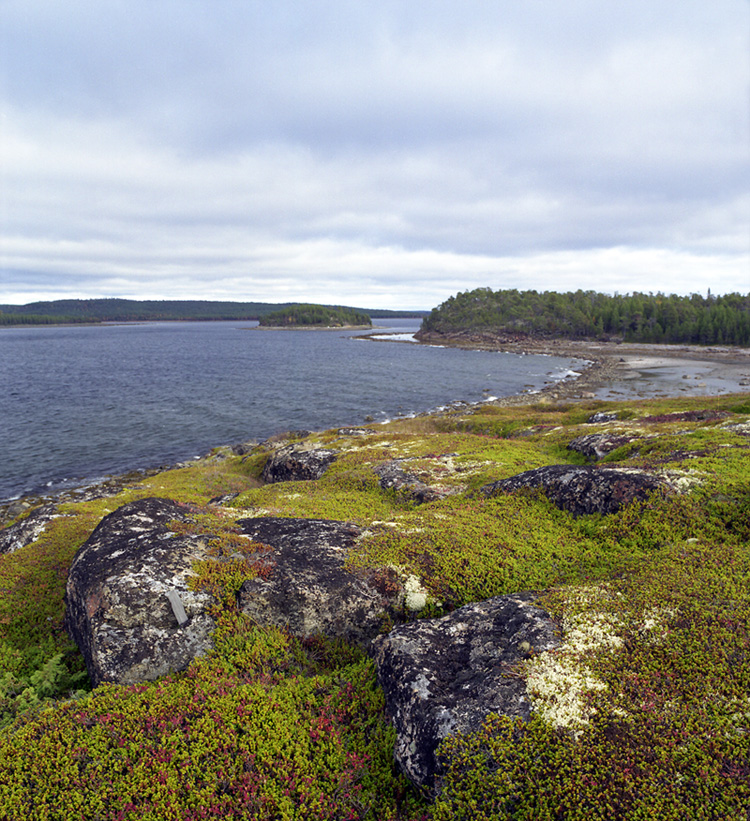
column 377, row 153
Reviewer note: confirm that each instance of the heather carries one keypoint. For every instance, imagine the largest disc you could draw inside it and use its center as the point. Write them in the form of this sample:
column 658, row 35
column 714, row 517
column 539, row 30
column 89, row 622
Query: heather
column 643, row 714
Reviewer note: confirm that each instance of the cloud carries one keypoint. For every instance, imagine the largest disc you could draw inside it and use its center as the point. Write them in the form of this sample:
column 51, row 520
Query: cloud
column 389, row 152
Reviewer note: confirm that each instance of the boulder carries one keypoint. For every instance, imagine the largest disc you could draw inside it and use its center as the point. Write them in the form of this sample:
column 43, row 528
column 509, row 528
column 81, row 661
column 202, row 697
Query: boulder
column 356, row 432
column 597, row 445
column 602, row 416
column 297, row 462
column 118, row 607
column 392, row 475
column 444, row 676
column 130, row 610
column 583, row 489
column 309, row 590
column 27, row 530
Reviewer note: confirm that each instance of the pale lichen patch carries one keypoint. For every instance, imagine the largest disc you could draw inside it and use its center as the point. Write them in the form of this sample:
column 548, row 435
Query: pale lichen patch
column 559, row 680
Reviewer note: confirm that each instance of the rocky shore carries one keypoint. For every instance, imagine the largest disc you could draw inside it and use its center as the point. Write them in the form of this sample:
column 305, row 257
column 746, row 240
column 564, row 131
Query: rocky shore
column 614, row 366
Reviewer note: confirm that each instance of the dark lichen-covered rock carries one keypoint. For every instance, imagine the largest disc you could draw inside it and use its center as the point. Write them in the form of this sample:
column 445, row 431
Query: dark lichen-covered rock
column 602, row 416
column 583, row 489
column 444, row 676
column 309, row 590
column 297, row 462
column 597, row 445
column 117, row 597
column 392, row 475
column 27, row 530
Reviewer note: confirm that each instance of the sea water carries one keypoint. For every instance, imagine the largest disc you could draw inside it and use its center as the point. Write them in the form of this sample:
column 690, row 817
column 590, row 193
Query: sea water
column 81, row 402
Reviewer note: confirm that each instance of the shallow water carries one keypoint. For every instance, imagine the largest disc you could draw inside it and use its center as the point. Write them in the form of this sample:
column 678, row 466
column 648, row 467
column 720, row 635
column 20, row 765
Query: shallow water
column 78, row 403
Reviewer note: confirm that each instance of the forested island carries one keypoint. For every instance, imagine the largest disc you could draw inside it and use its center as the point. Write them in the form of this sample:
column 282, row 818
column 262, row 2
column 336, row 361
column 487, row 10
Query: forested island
column 323, row 316
column 88, row 311
column 648, row 318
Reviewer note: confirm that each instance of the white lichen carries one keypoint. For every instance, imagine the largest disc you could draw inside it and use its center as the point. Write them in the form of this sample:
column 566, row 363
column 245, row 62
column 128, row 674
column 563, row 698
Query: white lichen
column 415, row 596
column 557, row 681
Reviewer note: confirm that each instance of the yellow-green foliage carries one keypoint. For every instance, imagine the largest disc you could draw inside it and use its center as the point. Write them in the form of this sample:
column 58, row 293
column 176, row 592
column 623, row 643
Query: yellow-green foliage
column 471, row 549
column 268, row 727
column 272, row 727
column 670, row 731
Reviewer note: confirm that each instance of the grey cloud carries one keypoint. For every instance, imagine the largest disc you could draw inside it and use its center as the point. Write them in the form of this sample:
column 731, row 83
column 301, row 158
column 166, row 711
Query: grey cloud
column 150, row 140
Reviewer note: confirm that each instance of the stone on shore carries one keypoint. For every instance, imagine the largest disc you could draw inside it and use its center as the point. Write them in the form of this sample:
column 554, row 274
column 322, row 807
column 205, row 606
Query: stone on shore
column 118, row 610
column 118, row 607
column 27, row 530
column 393, row 476
column 310, row 591
column 596, row 446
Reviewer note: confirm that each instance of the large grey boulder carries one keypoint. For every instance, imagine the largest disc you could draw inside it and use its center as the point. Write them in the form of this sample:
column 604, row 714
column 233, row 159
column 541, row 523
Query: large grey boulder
column 444, row 676
column 309, row 589
column 583, row 489
column 118, row 608
column 28, row 529
column 297, row 462
column 129, row 585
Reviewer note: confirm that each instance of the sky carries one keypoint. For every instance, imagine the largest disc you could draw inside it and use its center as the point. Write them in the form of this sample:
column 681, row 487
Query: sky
column 375, row 153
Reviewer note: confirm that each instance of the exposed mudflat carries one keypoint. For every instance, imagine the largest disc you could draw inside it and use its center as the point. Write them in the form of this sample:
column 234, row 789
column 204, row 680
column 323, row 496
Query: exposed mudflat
column 623, row 370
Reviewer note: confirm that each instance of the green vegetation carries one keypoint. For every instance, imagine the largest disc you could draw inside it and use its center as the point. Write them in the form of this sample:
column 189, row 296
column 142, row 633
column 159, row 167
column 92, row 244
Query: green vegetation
column 721, row 320
column 651, row 718
column 71, row 311
column 323, row 315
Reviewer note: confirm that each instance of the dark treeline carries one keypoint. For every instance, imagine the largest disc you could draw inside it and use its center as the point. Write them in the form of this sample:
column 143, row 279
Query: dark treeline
column 324, row 315
column 135, row 310
column 710, row 320
column 38, row 319
column 66, row 311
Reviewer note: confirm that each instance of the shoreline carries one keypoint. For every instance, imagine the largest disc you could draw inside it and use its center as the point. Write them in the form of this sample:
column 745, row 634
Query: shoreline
column 620, row 370
column 609, row 371
column 310, row 328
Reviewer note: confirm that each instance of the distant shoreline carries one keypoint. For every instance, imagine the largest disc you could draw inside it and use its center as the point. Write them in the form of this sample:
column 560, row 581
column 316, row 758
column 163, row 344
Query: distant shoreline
column 310, row 328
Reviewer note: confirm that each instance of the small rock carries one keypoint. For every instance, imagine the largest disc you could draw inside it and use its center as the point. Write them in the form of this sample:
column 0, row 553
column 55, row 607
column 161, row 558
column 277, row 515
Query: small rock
column 297, row 462
column 602, row 416
column 27, row 530
column 392, row 475
column 597, row 445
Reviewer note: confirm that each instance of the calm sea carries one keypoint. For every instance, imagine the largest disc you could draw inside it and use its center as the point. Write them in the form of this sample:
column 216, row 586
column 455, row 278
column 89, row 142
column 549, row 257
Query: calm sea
column 79, row 403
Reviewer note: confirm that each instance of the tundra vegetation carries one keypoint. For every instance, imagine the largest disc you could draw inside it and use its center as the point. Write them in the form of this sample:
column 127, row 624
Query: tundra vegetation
column 644, row 713
column 698, row 320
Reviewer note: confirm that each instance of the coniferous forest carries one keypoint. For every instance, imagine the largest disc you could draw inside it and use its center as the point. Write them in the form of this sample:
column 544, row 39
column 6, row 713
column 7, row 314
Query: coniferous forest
column 312, row 315
column 709, row 320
